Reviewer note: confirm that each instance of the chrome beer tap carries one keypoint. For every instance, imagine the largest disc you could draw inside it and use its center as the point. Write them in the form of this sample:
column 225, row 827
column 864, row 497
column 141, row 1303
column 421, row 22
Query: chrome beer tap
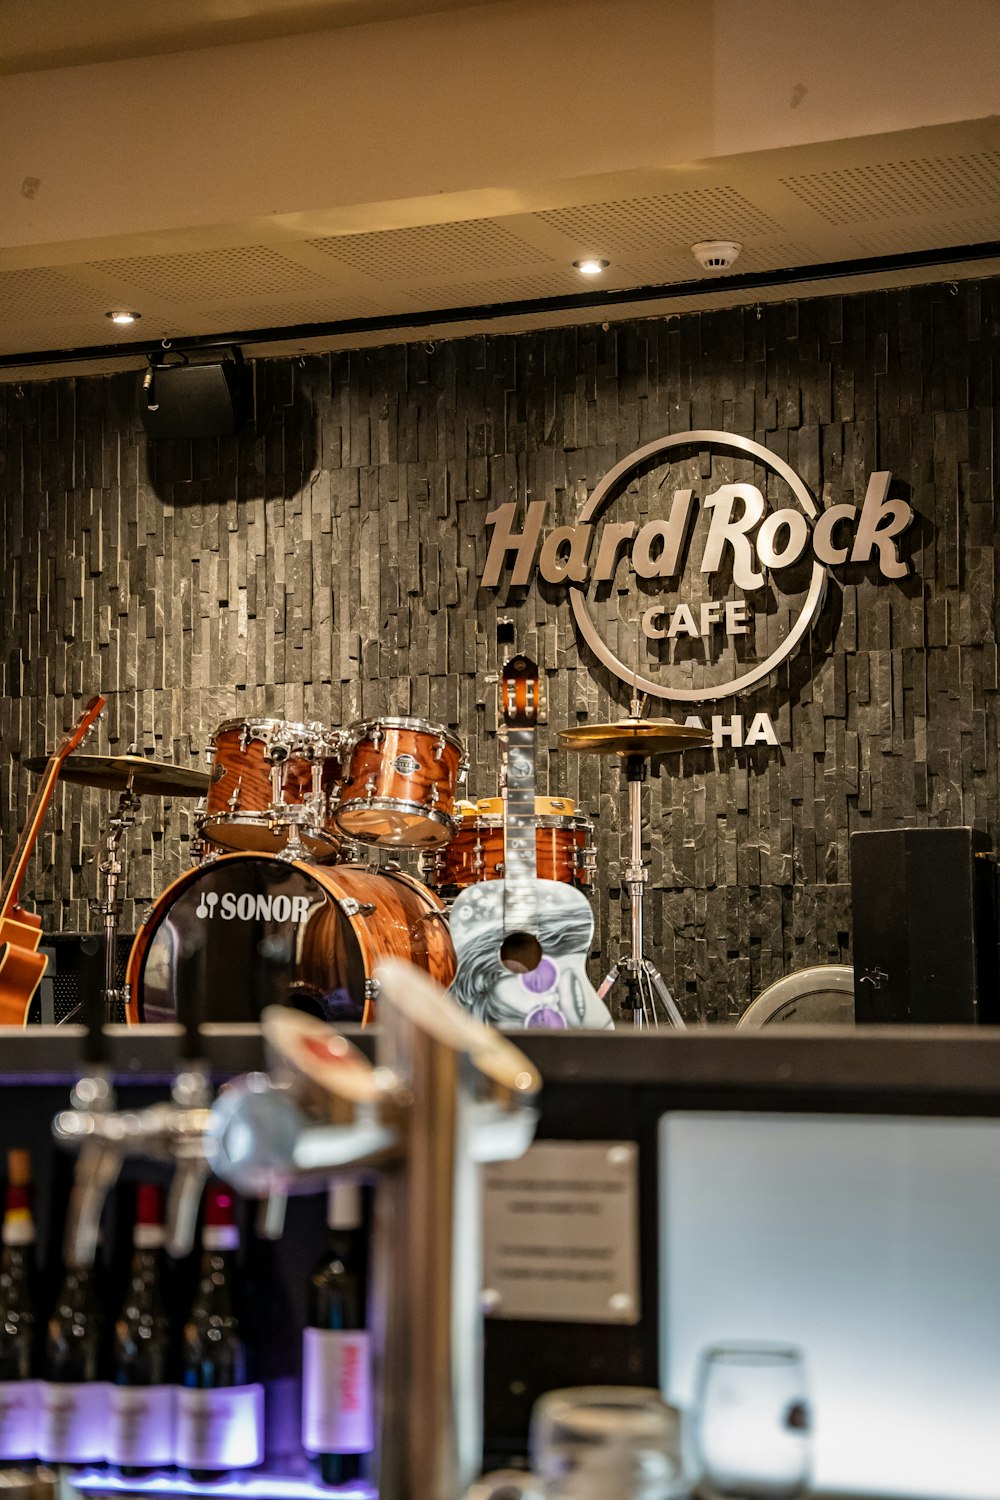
column 172, row 1132
column 445, row 1094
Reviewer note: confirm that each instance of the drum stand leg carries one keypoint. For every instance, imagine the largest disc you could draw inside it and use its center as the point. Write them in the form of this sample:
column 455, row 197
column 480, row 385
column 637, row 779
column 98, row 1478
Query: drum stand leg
column 644, row 983
column 109, row 904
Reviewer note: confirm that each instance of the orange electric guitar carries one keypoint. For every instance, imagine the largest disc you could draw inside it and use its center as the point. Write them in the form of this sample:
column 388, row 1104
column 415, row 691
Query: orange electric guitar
column 21, row 965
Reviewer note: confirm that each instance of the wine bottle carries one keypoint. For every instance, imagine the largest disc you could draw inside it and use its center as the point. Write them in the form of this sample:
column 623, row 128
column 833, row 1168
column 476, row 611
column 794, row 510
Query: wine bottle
column 336, row 1370
column 17, row 1273
column 18, row 1403
column 219, row 1415
column 141, row 1400
column 73, row 1416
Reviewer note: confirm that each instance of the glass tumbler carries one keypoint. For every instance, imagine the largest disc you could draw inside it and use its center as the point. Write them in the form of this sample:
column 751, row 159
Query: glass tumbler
column 607, row 1443
column 751, row 1423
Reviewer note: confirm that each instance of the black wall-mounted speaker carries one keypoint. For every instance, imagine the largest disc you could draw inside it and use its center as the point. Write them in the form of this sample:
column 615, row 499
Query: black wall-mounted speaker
column 196, row 400
column 924, row 905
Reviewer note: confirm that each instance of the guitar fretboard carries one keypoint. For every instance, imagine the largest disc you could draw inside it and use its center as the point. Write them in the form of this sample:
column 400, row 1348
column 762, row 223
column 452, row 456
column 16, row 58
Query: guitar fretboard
column 520, row 867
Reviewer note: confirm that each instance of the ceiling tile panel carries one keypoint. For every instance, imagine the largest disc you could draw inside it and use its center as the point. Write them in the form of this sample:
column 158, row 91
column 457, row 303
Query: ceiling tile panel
column 243, row 271
column 42, row 292
column 900, row 189
column 433, row 251
column 638, row 226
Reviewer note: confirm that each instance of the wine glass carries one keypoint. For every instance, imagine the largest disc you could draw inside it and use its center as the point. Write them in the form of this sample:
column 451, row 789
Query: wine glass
column 751, row 1423
column 607, row 1443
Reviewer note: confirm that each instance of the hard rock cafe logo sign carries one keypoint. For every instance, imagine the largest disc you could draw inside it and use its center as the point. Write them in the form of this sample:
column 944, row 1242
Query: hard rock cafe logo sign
column 701, row 556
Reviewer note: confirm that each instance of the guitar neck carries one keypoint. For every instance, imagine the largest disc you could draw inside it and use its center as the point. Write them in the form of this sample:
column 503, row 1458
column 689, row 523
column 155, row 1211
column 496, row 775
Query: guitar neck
column 10, row 886
column 520, row 866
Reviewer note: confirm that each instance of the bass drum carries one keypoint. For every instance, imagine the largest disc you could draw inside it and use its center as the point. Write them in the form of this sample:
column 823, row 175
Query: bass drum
column 249, row 930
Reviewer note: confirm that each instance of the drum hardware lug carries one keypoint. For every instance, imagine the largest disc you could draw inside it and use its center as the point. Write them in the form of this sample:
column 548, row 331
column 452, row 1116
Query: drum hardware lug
column 352, row 908
column 234, row 801
column 372, row 988
column 434, row 795
column 376, row 737
column 439, row 747
column 244, row 737
column 371, row 788
column 463, row 772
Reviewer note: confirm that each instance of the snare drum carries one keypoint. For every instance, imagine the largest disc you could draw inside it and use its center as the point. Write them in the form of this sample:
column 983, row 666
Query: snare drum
column 399, row 790
column 564, row 846
column 250, row 930
column 272, row 782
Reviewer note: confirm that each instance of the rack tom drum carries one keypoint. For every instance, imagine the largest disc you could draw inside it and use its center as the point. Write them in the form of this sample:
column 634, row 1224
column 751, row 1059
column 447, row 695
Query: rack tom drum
column 271, row 786
column 400, row 784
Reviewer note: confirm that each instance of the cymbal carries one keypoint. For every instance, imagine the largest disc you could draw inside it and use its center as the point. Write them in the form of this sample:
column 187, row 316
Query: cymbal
column 152, row 778
column 634, row 737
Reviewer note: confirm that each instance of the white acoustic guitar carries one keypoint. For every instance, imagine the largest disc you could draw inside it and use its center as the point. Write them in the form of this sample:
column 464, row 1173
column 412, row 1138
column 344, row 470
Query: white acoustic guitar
column 521, row 943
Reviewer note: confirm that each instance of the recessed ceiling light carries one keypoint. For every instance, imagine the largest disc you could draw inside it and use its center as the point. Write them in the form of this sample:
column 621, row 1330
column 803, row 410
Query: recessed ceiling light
column 118, row 315
column 591, row 266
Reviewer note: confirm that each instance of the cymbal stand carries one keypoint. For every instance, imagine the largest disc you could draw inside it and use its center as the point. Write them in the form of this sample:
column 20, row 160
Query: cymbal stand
column 109, row 904
column 643, row 981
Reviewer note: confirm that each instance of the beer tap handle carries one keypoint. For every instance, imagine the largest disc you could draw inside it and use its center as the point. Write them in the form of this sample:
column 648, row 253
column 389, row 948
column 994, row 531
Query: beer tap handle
column 183, row 1202
column 93, row 1101
column 270, row 1223
column 505, row 1083
column 97, row 1170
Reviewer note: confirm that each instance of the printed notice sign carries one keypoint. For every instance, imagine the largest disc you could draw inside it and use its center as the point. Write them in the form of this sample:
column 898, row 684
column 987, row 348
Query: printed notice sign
column 561, row 1234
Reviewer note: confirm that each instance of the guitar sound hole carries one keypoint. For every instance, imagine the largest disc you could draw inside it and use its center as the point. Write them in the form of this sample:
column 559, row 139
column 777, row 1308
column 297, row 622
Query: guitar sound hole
column 520, row 952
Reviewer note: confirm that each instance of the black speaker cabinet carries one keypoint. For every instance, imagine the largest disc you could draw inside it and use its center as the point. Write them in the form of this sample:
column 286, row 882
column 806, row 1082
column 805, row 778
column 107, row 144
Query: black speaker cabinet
column 196, row 400
column 57, row 999
column 924, row 904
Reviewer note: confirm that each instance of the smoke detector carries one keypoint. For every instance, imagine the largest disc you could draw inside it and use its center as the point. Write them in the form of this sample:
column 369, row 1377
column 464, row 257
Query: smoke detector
column 716, row 255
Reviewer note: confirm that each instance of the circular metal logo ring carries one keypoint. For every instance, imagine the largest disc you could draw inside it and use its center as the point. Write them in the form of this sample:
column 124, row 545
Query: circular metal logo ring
column 810, row 608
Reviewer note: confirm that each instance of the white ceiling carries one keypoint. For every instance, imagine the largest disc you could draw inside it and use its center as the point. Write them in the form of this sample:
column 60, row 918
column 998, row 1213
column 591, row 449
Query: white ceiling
column 931, row 187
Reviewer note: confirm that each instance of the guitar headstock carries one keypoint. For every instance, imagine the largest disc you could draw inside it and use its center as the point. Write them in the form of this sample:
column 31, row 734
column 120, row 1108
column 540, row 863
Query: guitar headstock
column 91, row 713
column 519, row 693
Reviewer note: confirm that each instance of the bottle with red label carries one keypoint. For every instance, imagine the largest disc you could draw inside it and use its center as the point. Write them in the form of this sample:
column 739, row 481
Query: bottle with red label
column 336, row 1359
column 18, row 1291
column 141, row 1400
column 219, row 1415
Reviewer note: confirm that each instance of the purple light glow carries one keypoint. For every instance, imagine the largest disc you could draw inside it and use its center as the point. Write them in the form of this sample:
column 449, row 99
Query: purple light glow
column 258, row 1487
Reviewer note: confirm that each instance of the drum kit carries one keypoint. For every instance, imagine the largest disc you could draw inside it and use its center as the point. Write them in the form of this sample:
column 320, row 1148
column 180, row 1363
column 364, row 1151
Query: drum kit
column 278, row 906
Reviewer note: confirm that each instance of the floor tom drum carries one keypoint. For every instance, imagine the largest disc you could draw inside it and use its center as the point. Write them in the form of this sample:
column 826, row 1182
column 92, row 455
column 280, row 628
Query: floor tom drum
column 564, row 846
